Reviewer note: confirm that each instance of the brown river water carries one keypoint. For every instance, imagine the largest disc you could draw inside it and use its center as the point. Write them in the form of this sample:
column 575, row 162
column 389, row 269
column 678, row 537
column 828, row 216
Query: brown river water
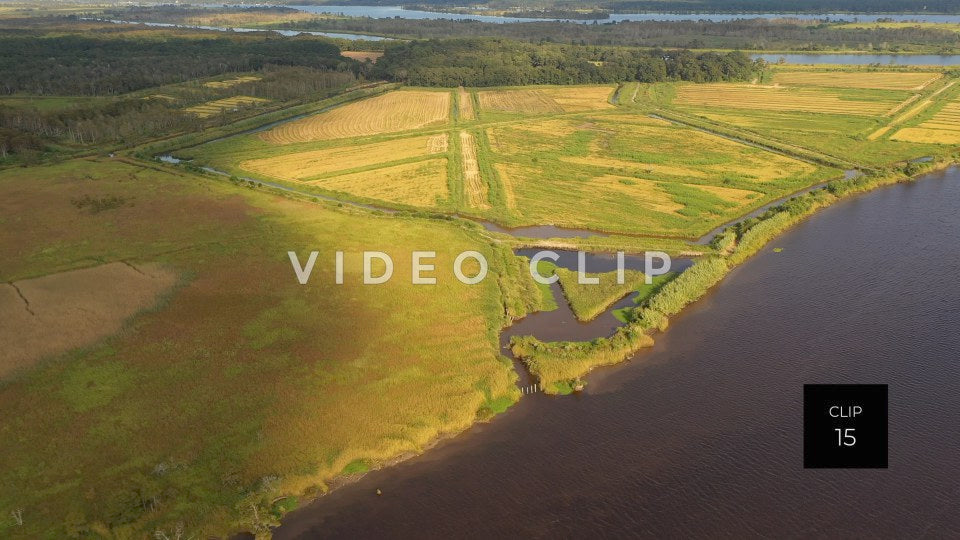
column 701, row 435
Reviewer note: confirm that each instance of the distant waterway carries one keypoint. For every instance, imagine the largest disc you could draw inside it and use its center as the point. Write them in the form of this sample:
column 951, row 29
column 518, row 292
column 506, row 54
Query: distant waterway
column 382, row 12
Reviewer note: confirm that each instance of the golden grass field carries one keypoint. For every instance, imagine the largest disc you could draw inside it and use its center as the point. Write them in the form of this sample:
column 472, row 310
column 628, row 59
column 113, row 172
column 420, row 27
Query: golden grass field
column 546, row 100
column 395, row 111
column 305, row 165
column 241, row 373
column 363, row 56
column 231, row 82
column 474, row 186
column 743, row 96
column 942, row 128
column 893, row 80
column 465, row 99
column 422, row 183
column 211, row 108
column 52, row 314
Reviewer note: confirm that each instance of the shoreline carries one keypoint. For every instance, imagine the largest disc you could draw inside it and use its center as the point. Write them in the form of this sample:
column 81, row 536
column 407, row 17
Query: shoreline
column 753, row 245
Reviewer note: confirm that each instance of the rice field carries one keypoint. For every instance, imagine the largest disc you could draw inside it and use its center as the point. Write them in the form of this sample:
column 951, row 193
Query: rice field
column 211, row 108
column 770, row 98
column 893, row 80
column 943, row 127
column 231, row 82
column 474, row 187
column 301, row 166
column 546, row 100
column 396, row 111
column 422, row 183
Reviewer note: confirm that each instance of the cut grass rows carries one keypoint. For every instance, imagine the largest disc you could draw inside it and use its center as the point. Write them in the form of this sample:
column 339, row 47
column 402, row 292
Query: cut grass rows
column 388, row 113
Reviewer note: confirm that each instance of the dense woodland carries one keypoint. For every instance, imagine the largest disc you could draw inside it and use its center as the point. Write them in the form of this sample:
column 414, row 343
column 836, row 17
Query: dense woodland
column 494, row 62
column 109, row 63
column 753, row 34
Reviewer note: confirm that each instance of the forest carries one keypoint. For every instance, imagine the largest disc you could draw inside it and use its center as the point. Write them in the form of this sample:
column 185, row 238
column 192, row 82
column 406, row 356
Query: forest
column 108, row 62
column 752, row 34
column 495, row 62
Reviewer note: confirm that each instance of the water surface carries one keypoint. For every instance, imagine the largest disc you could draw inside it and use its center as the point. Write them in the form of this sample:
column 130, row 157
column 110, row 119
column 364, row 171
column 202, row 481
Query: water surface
column 701, row 436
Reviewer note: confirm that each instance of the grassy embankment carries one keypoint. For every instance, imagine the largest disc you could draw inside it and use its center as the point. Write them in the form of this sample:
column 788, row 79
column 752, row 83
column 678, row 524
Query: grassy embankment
column 241, row 390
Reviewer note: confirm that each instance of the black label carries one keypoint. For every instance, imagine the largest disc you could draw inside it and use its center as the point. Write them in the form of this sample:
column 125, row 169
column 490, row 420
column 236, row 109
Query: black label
column 845, row 426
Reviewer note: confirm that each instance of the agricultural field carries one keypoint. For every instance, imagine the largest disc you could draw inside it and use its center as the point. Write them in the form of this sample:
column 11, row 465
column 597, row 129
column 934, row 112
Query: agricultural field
column 313, row 164
column 893, row 80
column 257, row 389
column 363, row 56
column 780, row 98
column 635, row 168
column 396, row 111
column 849, row 124
column 218, row 106
column 465, row 102
column 231, row 82
column 546, row 99
column 942, row 127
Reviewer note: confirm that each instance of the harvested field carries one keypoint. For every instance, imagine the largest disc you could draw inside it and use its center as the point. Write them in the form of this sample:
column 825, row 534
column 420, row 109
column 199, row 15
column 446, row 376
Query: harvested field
column 779, row 99
column 305, row 165
column 224, row 105
column 362, row 56
column 892, row 80
column 923, row 135
column 466, row 105
column 53, row 314
column 395, row 111
column 546, row 100
column 231, row 82
column 474, row 186
column 941, row 128
column 423, row 183
column 518, row 101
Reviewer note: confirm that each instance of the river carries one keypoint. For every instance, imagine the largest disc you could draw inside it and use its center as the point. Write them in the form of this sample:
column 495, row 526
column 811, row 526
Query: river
column 701, row 435
column 381, row 12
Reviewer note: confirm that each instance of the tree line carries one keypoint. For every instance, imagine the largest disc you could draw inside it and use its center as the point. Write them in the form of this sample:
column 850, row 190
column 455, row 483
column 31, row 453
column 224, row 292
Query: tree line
column 753, row 34
column 108, row 63
column 496, row 62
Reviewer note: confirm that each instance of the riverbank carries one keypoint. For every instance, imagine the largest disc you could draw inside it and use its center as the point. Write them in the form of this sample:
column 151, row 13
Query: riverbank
column 560, row 366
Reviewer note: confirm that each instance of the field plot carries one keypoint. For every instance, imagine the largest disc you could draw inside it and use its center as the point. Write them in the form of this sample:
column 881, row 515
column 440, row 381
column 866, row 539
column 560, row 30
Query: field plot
column 211, row 108
column 815, row 100
column 474, row 186
column 941, row 128
column 423, row 183
column 465, row 99
column 363, row 56
column 637, row 176
column 305, row 165
column 231, row 82
column 395, row 111
column 893, row 80
column 546, row 100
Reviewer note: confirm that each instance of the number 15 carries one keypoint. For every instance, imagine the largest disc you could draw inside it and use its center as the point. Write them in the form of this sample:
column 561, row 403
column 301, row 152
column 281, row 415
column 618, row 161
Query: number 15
column 845, row 437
